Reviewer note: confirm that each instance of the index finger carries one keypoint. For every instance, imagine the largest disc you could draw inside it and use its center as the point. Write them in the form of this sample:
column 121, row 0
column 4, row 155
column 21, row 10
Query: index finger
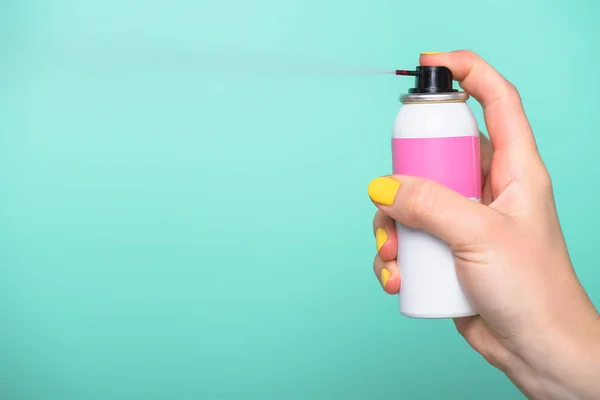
column 505, row 118
column 385, row 235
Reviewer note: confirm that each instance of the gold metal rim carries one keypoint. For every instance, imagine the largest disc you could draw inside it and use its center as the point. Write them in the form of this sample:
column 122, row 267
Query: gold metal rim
column 454, row 97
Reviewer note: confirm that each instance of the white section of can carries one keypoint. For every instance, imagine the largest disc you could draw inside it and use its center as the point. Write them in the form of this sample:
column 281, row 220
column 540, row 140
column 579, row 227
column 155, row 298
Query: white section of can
column 429, row 285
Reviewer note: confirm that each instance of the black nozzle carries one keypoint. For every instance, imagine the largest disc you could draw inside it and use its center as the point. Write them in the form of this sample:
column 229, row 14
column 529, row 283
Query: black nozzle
column 433, row 80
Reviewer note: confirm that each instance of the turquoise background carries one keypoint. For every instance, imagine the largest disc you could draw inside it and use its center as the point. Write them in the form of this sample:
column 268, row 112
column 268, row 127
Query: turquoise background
column 170, row 229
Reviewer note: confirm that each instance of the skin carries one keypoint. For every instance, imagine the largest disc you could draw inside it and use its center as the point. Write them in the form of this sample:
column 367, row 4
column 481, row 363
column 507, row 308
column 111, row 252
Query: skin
column 535, row 322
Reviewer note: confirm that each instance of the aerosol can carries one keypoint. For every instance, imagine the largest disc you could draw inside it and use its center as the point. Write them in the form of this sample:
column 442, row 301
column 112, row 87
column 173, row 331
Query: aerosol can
column 435, row 136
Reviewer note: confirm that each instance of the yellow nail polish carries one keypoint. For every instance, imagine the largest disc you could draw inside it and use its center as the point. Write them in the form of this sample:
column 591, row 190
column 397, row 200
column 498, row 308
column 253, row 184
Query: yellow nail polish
column 380, row 238
column 383, row 190
column 431, row 53
column 385, row 277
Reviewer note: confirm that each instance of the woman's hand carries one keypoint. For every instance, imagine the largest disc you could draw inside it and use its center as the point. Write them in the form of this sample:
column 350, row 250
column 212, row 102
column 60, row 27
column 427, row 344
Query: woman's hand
column 535, row 321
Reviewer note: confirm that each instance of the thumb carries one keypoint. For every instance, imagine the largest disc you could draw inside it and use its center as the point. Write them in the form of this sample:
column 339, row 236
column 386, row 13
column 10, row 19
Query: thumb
column 427, row 205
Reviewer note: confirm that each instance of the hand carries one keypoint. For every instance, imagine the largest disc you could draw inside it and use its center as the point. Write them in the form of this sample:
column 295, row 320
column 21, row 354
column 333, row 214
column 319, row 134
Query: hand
column 535, row 321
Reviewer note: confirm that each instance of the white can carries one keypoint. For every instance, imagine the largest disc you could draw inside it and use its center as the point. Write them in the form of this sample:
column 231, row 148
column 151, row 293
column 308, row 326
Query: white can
column 435, row 137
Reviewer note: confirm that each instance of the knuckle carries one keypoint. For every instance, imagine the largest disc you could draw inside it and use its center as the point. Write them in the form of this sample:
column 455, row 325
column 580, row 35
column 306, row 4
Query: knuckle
column 423, row 201
column 376, row 265
column 375, row 222
column 512, row 90
column 545, row 183
column 542, row 179
column 468, row 53
column 378, row 220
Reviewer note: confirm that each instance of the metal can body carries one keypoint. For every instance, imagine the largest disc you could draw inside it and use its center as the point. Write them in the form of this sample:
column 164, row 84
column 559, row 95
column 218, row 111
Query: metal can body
column 436, row 140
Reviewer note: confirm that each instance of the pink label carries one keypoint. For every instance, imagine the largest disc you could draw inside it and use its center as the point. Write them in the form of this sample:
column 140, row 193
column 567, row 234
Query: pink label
column 452, row 161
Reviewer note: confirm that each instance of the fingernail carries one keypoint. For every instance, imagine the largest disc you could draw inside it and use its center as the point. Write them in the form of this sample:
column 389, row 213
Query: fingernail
column 431, row 53
column 385, row 277
column 383, row 190
column 380, row 238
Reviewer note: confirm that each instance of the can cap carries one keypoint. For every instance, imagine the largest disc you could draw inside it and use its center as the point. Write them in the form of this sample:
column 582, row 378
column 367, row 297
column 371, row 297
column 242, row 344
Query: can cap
column 430, row 79
column 433, row 80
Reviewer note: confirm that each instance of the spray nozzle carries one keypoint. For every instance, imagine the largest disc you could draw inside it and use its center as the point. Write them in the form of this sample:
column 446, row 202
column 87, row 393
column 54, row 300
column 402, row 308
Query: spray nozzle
column 430, row 79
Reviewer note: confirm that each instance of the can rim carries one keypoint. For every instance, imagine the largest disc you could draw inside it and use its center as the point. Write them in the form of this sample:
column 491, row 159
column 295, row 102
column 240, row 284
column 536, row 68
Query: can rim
column 453, row 97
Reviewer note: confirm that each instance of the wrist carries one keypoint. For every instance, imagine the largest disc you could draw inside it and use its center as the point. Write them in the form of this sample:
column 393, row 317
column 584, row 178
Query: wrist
column 561, row 362
column 579, row 371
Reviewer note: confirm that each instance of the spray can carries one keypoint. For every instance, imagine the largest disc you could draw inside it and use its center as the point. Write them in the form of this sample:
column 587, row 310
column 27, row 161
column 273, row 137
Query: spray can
column 435, row 136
